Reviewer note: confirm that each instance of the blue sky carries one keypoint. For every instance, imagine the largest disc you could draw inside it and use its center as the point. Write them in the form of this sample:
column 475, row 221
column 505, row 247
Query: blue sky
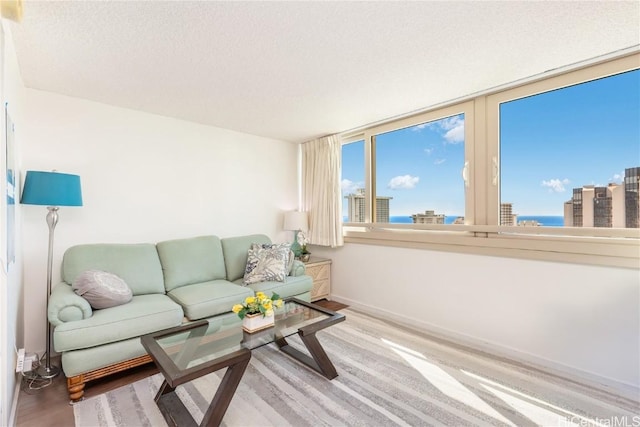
column 550, row 143
column 564, row 139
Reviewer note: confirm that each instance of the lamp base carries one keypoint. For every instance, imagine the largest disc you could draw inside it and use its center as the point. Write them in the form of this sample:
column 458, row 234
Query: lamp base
column 295, row 246
column 48, row 372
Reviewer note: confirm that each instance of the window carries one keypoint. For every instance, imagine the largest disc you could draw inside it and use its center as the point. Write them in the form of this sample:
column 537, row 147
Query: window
column 565, row 154
column 418, row 177
column 414, row 168
column 353, row 188
column 545, row 170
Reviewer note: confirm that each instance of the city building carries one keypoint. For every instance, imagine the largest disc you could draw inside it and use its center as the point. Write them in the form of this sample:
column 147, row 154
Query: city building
column 356, row 207
column 459, row 221
column 507, row 217
column 428, row 217
column 613, row 206
column 631, row 199
column 568, row 213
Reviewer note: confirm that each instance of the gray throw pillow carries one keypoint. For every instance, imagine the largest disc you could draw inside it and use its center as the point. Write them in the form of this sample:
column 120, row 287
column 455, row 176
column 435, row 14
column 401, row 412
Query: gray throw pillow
column 268, row 263
column 102, row 289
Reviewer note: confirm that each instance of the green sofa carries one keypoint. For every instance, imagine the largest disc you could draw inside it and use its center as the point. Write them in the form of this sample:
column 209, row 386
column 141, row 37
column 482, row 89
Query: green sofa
column 173, row 282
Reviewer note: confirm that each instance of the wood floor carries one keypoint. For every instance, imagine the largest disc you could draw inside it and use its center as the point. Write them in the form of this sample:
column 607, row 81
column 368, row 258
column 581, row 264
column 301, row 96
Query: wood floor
column 49, row 406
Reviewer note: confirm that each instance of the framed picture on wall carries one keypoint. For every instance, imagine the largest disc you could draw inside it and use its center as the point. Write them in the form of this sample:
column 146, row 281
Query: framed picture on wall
column 10, row 190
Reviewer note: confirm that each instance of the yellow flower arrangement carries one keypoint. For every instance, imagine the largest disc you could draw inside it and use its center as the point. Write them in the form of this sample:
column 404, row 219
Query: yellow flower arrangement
column 258, row 304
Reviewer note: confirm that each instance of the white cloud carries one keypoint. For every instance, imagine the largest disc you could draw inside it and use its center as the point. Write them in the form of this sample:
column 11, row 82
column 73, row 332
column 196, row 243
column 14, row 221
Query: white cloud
column 451, row 128
column 451, row 122
column 349, row 187
column 617, row 178
column 439, row 161
column 403, row 182
column 556, row 185
column 455, row 135
column 428, row 151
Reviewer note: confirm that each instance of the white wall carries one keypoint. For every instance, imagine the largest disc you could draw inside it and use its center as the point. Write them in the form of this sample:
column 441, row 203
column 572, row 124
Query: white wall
column 11, row 292
column 145, row 178
column 580, row 320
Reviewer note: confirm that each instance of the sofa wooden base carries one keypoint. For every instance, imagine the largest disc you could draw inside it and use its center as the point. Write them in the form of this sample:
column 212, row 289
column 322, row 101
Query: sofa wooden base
column 75, row 384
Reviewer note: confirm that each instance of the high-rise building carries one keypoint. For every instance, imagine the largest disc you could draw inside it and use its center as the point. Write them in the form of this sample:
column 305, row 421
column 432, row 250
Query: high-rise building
column 356, row 206
column 612, row 206
column 568, row 213
column 507, row 217
column 428, row 217
column 576, row 212
column 631, row 199
column 617, row 205
column 602, row 211
column 382, row 208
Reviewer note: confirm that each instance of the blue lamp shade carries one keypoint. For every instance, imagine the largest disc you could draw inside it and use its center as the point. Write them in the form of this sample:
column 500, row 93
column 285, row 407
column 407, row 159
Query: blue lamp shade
column 51, row 189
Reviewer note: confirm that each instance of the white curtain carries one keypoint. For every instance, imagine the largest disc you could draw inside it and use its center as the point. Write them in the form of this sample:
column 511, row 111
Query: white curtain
column 321, row 193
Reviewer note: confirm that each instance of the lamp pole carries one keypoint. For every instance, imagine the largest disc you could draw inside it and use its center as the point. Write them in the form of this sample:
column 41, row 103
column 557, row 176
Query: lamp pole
column 48, row 370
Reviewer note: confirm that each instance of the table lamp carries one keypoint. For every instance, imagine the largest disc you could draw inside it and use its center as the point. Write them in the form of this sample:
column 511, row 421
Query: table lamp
column 296, row 221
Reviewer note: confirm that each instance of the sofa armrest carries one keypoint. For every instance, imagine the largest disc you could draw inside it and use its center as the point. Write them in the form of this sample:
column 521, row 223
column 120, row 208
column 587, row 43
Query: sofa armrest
column 66, row 306
column 298, row 269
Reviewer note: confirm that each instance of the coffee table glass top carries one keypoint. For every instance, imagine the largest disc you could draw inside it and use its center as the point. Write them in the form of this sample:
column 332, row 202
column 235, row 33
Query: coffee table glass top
column 188, row 348
column 201, row 343
column 291, row 317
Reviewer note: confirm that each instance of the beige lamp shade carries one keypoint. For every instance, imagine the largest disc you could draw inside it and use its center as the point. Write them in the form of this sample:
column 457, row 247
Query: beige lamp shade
column 11, row 9
column 295, row 221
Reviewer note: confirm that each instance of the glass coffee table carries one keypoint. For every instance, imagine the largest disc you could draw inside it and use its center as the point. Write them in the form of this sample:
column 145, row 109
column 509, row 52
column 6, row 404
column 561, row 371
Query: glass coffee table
column 187, row 352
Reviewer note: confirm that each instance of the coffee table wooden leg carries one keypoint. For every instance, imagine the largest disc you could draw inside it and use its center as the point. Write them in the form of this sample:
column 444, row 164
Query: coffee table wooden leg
column 319, row 355
column 165, row 388
column 225, row 392
column 319, row 361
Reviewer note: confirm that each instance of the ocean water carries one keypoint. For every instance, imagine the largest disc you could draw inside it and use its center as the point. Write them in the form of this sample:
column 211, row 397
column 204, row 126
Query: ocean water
column 545, row 220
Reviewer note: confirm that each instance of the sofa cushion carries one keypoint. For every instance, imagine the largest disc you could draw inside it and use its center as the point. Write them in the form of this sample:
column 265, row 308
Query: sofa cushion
column 189, row 261
column 235, row 253
column 142, row 315
column 267, row 262
column 102, row 289
column 207, row 299
column 292, row 286
column 137, row 264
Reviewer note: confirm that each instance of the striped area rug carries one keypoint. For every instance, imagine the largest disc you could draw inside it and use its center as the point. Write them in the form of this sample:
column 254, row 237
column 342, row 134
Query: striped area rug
column 387, row 375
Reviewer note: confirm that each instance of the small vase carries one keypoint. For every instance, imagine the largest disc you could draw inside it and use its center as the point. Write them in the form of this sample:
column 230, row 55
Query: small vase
column 305, row 257
column 257, row 322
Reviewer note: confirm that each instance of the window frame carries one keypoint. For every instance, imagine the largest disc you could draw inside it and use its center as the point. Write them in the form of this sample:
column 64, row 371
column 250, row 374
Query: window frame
column 482, row 233
column 572, row 78
column 466, row 108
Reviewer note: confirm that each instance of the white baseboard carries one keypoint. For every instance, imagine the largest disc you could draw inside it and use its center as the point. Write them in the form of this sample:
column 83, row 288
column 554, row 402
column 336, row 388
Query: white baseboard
column 590, row 379
column 13, row 413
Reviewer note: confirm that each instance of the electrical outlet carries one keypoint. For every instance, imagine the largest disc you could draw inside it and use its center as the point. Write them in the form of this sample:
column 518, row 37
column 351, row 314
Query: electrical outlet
column 20, row 362
column 30, row 360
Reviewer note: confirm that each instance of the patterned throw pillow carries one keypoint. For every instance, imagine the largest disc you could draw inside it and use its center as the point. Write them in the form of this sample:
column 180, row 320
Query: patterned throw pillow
column 102, row 289
column 268, row 263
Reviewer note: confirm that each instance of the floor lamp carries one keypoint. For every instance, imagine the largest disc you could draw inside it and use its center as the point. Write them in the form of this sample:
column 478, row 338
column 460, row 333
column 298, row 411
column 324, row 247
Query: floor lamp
column 51, row 189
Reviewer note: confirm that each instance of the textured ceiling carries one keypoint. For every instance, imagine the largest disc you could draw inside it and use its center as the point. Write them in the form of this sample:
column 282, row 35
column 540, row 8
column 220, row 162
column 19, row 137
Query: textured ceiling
column 297, row 70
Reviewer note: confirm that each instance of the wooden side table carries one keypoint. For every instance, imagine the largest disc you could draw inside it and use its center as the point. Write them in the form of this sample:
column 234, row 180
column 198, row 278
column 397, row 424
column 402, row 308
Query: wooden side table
column 320, row 270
